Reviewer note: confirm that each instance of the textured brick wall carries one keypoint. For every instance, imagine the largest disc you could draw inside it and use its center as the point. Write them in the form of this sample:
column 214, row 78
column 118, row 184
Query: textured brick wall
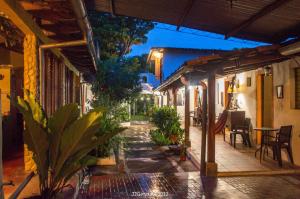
column 30, row 83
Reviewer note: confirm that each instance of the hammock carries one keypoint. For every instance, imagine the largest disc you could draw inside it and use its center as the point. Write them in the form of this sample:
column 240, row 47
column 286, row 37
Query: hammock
column 221, row 123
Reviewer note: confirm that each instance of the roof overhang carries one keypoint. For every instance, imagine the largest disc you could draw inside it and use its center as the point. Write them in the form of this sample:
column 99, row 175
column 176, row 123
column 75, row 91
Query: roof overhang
column 55, row 22
column 225, row 63
column 271, row 21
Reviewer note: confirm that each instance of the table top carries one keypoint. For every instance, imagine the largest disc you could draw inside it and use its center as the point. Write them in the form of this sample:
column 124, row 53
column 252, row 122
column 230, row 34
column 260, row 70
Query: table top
column 265, row 129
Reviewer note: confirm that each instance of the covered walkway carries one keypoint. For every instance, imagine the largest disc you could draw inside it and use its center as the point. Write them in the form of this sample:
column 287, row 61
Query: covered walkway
column 239, row 159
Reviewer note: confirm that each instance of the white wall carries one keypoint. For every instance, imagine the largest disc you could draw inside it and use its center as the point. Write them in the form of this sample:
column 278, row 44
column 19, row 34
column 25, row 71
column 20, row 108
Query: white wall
column 221, row 85
column 247, row 95
column 284, row 113
column 180, row 109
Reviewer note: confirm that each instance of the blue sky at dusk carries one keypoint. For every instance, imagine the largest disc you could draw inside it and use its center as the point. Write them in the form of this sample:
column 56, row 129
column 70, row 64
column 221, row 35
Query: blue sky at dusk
column 164, row 35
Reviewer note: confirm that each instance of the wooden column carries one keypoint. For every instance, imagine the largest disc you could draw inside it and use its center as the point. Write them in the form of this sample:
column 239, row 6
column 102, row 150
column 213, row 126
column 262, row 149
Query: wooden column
column 174, row 92
column 168, row 98
column 187, row 116
column 204, row 129
column 211, row 166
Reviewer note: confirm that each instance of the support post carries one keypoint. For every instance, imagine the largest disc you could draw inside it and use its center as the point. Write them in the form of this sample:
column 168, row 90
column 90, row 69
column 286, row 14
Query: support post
column 168, row 98
column 30, row 84
column 211, row 166
column 174, row 91
column 1, row 148
column 187, row 116
column 204, row 128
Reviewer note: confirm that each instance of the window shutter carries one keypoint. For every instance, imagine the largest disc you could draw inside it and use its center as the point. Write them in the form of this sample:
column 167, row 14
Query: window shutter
column 297, row 88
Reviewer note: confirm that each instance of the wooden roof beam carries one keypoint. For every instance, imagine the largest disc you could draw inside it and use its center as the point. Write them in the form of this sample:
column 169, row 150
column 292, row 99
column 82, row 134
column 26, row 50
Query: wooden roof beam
column 24, row 22
column 112, row 7
column 263, row 12
column 186, row 12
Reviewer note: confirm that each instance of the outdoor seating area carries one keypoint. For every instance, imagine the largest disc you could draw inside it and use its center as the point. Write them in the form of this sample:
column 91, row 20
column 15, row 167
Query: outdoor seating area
column 239, row 159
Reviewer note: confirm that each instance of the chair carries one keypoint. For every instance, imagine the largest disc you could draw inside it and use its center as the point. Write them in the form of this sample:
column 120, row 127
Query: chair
column 282, row 140
column 244, row 131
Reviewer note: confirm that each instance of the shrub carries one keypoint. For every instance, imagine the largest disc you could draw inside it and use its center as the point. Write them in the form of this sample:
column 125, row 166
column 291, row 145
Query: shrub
column 167, row 121
column 159, row 138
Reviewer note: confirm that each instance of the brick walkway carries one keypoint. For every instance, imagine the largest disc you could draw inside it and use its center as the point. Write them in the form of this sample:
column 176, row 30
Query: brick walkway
column 143, row 156
column 157, row 174
column 153, row 175
column 190, row 185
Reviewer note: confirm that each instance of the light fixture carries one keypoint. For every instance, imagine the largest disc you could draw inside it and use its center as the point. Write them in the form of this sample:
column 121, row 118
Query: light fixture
column 157, row 54
column 268, row 70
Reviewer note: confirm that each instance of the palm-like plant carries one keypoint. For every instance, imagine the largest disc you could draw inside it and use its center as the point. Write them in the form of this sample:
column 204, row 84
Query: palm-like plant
column 60, row 143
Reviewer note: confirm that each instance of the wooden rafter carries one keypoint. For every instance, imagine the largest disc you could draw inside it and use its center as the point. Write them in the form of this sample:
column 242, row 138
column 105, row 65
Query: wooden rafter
column 186, row 12
column 50, row 15
column 112, row 7
column 61, row 28
column 263, row 12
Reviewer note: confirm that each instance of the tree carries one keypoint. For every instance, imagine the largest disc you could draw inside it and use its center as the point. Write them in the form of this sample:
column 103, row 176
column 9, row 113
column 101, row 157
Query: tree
column 117, row 78
column 118, row 33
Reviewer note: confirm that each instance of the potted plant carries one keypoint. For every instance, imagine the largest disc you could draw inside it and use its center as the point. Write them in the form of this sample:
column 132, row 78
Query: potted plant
column 167, row 122
column 60, row 144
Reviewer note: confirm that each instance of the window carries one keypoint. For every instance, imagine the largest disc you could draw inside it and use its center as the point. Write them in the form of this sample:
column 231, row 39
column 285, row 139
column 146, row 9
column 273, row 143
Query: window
column 297, row 88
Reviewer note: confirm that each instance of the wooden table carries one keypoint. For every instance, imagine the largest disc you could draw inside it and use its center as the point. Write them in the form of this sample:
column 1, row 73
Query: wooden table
column 265, row 132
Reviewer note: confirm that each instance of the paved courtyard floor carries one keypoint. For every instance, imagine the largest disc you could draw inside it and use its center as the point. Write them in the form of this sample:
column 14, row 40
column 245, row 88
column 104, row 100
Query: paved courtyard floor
column 236, row 159
column 156, row 173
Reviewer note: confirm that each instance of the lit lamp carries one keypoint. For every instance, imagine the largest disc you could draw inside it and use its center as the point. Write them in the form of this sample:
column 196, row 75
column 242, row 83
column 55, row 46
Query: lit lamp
column 268, row 70
column 235, row 87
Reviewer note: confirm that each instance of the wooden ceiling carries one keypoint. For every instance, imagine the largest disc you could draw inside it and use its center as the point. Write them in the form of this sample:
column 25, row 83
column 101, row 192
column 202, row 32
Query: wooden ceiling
column 271, row 21
column 10, row 36
column 58, row 21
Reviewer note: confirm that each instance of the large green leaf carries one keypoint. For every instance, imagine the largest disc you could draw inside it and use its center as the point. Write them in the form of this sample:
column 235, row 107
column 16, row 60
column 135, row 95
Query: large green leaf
column 73, row 134
column 36, row 138
column 59, row 121
column 36, row 109
column 82, row 153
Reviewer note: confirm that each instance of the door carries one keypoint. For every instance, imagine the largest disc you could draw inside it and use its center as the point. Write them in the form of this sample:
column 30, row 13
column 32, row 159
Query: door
column 264, row 96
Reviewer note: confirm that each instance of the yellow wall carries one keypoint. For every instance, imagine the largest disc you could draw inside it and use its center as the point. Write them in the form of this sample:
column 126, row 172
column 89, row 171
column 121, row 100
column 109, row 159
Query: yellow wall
column 284, row 113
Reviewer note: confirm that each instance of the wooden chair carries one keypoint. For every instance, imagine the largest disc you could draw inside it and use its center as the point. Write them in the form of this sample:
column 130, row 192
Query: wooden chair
column 244, row 131
column 282, row 140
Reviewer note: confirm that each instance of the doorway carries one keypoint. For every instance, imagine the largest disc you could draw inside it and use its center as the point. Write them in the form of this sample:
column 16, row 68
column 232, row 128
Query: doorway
column 264, row 103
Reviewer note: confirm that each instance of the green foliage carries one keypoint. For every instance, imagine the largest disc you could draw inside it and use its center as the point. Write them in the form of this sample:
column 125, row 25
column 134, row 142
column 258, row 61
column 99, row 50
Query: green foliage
column 61, row 143
column 118, row 33
column 167, row 121
column 116, row 81
column 159, row 138
column 117, row 77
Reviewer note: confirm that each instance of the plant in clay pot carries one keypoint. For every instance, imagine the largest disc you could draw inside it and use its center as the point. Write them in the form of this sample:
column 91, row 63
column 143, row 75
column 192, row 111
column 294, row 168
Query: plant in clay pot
column 167, row 122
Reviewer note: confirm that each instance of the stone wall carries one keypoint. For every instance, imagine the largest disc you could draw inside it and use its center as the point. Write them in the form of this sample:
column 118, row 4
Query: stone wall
column 30, row 83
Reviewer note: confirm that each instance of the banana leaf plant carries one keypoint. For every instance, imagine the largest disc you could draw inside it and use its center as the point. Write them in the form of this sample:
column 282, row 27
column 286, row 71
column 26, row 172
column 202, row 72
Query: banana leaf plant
column 60, row 143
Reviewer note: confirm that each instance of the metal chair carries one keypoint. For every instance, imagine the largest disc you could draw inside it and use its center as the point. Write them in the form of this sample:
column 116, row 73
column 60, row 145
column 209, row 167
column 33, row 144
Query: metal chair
column 244, row 131
column 282, row 140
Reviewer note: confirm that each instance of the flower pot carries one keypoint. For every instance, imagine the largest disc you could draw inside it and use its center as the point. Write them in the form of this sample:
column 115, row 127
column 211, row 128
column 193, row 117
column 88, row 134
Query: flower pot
column 107, row 161
column 183, row 158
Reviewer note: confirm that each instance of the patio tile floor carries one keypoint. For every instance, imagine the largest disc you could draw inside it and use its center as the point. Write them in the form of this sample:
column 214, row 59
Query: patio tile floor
column 237, row 159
